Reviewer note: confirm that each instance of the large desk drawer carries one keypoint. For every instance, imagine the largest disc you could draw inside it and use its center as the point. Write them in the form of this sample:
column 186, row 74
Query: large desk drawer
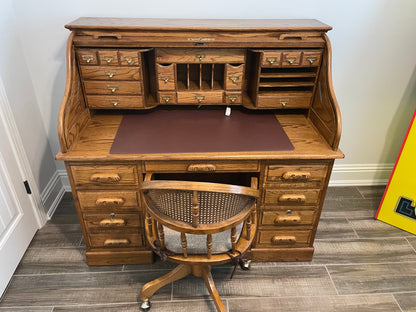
column 110, row 221
column 200, row 55
column 109, row 201
column 291, row 197
column 105, row 175
column 305, row 176
column 284, row 238
column 288, row 217
column 116, row 240
column 110, row 73
column 202, row 166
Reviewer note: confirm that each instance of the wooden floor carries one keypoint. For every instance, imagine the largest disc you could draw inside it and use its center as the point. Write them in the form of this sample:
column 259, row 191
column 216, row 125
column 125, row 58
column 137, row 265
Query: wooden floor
column 359, row 265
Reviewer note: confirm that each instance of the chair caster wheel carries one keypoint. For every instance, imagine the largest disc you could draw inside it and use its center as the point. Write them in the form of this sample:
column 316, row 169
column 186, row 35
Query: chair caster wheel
column 145, row 305
column 245, row 264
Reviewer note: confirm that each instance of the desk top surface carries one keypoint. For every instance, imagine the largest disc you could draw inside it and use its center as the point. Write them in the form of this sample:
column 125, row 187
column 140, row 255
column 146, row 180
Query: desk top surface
column 196, row 24
column 96, row 140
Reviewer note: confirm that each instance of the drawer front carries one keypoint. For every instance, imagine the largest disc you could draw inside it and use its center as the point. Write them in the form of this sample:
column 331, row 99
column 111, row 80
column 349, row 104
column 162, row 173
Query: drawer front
column 113, row 201
column 291, row 197
column 284, row 101
column 288, row 217
column 111, row 88
column 291, row 58
column 110, row 73
column 311, row 59
column 297, row 176
column 271, row 58
column 129, row 57
column 234, row 77
column 116, row 240
column 283, row 238
column 87, row 57
column 111, row 221
column 202, row 166
column 167, row 97
column 214, row 97
column 166, row 76
column 233, row 98
column 105, row 175
column 108, row 57
column 114, row 102
column 200, row 55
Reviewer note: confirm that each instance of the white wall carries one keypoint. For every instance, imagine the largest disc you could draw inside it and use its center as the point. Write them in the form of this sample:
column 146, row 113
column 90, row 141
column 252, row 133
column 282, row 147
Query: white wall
column 374, row 57
column 21, row 96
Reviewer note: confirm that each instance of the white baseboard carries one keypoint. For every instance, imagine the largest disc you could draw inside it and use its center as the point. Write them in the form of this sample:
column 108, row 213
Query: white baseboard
column 342, row 175
column 367, row 174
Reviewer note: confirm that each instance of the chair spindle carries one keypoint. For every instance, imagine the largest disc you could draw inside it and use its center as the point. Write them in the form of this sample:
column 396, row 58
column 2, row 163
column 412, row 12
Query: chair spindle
column 184, row 245
column 233, row 238
column 161, row 236
column 209, row 246
column 195, row 209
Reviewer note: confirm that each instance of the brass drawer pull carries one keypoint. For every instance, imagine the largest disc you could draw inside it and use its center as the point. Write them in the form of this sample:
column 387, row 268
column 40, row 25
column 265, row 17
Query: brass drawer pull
column 112, row 88
column 233, row 98
column 114, row 102
column 200, row 56
column 165, row 79
column 116, row 242
column 287, row 219
column 166, row 98
column 105, row 178
column 295, row 198
column 112, row 221
column 283, row 240
column 199, row 98
column 296, row 175
column 87, row 58
column 291, row 59
column 110, row 74
column 129, row 59
column 271, row 60
column 234, row 78
column 201, row 167
column 284, row 103
column 108, row 58
column 106, row 36
column 105, row 202
column 311, row 59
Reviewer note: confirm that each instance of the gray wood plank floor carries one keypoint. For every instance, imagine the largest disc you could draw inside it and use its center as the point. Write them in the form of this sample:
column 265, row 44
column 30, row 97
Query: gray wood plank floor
column 360, row 264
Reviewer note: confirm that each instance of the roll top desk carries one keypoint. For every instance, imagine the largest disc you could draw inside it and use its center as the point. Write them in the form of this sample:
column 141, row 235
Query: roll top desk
column 121, row 67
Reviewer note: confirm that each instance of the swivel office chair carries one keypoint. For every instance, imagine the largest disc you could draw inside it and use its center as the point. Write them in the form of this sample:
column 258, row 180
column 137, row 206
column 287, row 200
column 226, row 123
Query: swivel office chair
column 183, row 216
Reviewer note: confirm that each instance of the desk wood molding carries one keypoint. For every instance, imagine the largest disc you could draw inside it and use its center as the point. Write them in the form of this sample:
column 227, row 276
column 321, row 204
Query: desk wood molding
column 117, row 67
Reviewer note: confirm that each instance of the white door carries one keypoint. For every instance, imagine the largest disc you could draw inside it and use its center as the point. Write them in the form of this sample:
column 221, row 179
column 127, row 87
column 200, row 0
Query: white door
column 19, row 219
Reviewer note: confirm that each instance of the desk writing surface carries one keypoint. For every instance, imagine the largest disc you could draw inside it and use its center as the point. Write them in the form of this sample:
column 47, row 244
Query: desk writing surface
column 199, row 131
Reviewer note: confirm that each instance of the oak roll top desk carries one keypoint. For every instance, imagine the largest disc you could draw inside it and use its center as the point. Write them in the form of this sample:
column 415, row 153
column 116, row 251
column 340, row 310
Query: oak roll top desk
column 121, row 67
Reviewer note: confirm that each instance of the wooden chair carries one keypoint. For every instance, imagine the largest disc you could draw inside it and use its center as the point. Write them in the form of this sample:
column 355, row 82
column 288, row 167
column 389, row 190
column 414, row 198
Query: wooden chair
column 179, row 212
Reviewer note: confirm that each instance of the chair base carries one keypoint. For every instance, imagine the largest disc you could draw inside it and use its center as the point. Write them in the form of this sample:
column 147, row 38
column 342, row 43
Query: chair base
column 181, row 271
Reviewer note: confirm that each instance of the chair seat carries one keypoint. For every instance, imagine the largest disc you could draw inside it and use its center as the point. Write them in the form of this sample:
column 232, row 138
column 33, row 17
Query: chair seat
column 197, row 244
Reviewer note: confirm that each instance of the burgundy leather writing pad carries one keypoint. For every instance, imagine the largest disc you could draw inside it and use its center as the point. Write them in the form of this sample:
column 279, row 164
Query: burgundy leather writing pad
column 199, row 131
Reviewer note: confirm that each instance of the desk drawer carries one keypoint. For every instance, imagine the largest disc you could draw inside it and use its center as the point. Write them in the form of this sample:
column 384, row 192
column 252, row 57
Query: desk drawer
column 116, row 240
column 111, row 201
column 110, row 73
column 115, row 101
column 174, row 55
column 306, row 176
column 105, row 175
column 288, row 217
column 112, row 221
column 283, row 238
column 202, row 166
column 111, row 88
column 291, row 197
column 210, row 97
column 272, row 99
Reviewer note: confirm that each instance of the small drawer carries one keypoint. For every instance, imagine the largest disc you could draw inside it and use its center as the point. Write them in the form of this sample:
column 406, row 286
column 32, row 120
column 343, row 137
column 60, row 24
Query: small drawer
column 291, row 197
column 233, row 98
column 271, row 59
column 284, row 238
column 212, row 97
column 166, row 76
column 113, row 201
column 288, row 217
column 116, row 240
column 311, row 59
column 273, row 100
column 308, row 176
column 111, row 220
column 234, row 77
column 114, row 102
column 108, row 57
column 87, row 57
column 202, row 166
column 167, row 97
column 291, row 58
column 105, row 175
column 110, row 73
column 109, row 88
column 174, row 55
column 129, row 58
